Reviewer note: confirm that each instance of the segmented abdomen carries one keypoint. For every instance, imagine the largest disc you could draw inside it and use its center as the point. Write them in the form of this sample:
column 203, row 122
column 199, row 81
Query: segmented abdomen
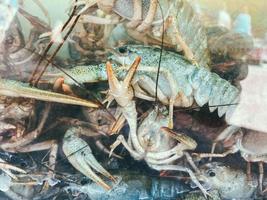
column 209, row 88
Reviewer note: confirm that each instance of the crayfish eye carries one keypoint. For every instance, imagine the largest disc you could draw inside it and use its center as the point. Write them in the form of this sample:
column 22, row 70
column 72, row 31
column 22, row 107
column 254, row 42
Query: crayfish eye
column 123, row 50
column 211, row 173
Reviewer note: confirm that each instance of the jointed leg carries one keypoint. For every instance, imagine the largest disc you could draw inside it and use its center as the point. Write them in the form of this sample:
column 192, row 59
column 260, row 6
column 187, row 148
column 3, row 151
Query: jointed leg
column 181, row 42
column 150, row 87
column 164, row 154
column 224, row 135
column 215, row 155
column 150, row 16
column 137, row 17
column 105, row 150
column 191, row 162
column 121, row 140
column 165, row 161
column 99, row 20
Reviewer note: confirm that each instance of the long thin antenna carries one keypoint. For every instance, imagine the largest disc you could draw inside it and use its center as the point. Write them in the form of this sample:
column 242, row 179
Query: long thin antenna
column 160, row 56
column 198, row 107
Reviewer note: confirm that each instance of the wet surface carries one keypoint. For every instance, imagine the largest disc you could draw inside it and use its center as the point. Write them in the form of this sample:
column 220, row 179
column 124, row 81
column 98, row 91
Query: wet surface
column 203, row 66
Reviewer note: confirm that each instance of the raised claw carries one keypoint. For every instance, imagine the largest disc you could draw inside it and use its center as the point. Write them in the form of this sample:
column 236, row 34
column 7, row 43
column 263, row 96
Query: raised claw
column 80, row 156
column 121, row 90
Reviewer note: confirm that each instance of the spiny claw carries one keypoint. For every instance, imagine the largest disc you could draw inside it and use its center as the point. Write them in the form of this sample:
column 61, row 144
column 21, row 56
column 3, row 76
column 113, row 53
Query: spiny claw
column 80, row 156
column 113, row 81
column 121, row 91
column 180, row 137
column 12, row 88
